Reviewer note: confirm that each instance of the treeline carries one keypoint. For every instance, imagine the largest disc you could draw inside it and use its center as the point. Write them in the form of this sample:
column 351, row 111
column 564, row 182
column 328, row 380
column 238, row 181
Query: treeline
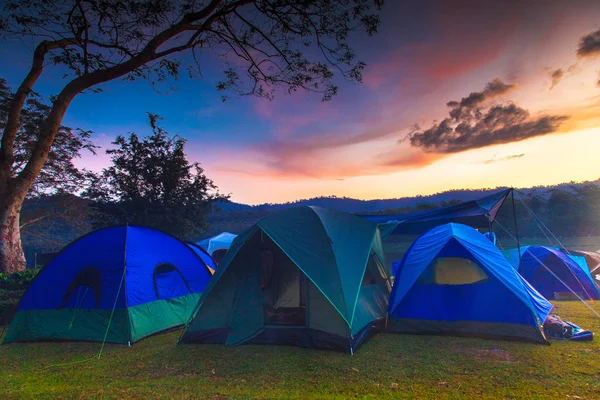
column 567, row 210
column 572, row 211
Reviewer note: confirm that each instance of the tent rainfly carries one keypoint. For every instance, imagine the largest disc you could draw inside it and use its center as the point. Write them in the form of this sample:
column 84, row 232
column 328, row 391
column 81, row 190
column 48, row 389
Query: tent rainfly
column 551, row 271
column 305, row 276
column 479, row 213
column 454, row 281
column 116, row 284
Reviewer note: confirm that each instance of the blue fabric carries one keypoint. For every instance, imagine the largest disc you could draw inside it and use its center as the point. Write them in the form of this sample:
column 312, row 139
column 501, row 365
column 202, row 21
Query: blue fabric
column 491, row 236
column 147, row 248
column 512, row 255
column 535, row 262
column 476, row 213
column 104, row 249
column 170, row 284
column 504, row 297
column 108, row 251
column 221, row 241
column 206, row 259
column 581, row 261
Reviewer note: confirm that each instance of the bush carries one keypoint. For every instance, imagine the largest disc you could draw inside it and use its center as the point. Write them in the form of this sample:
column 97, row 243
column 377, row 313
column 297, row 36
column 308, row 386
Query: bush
column 12, row 288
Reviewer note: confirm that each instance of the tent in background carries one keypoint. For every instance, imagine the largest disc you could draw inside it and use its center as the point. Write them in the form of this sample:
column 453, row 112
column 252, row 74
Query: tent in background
column 475, row 213
column 217, row 245
column 305, row 276
column 592, row 262
column 544, row 267
column 454, row 281
column 120, row 284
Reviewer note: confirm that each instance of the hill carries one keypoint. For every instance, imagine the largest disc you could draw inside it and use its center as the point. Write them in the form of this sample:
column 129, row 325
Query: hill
column 50, row 222
column 235, row 217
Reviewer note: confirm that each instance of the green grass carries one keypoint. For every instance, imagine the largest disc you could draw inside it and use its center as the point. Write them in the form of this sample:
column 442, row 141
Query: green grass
column 386, row 366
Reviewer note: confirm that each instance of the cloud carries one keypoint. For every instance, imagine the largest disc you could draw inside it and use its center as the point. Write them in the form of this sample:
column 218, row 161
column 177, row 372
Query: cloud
column 495, row 160
column 556, row 76
column 463, row 108
column 471, row 125
column 589, row 45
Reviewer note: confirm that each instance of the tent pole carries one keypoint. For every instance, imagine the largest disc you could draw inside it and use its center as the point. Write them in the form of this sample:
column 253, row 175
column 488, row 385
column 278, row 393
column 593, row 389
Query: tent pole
column 515, row 222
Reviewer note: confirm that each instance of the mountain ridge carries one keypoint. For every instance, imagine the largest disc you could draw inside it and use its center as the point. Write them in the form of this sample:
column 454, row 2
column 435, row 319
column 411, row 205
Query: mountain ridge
column 352, row 205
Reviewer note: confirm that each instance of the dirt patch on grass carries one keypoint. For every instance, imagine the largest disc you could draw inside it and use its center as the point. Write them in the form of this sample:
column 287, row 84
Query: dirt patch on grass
column 498, row 355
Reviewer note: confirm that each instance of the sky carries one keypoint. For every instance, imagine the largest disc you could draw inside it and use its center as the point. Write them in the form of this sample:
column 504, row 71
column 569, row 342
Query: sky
column 465, row 94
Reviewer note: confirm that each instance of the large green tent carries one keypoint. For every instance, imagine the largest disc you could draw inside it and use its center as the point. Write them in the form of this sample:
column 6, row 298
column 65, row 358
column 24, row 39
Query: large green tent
column 306, row 276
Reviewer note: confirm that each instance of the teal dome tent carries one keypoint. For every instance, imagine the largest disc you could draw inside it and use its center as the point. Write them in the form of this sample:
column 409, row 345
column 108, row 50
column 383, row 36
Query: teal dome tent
column 305, row 276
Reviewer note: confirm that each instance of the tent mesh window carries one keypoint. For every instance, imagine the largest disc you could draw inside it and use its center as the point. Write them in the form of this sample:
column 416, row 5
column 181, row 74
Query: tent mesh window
column 284, row 289
column 375, row 273
column 88, row 280
column 453, row 271
column 169, row 280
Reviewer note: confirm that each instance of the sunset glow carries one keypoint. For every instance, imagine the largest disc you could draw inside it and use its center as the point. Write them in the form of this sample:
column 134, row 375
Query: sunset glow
column 356, row 145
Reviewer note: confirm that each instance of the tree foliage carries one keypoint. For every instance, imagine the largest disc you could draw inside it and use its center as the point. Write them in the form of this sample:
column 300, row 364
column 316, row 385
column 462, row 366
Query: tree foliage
column 151, row 183
column 59, row 174
column 264, row 44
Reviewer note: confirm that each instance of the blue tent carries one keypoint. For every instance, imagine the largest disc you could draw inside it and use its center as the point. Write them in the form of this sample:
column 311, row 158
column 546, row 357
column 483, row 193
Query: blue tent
column 544, row 267
column 116, row 284
column 204, row 256
column 222, row 241
column 454, row 281
column 475, row 213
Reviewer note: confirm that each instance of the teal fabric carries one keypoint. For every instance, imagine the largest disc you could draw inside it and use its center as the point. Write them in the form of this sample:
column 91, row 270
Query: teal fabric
column 372, row 305
column 248, row 317
column 387, row 228
column 299, row 232
column 351, row 242
column 331, row 248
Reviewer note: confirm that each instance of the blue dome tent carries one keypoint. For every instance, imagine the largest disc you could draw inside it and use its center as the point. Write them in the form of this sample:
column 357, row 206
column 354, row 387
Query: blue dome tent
column 551, row 271
column 116, row 284
column 454, row 281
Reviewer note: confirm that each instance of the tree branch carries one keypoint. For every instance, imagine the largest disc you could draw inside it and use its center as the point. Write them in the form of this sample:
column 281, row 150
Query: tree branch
column 148, row 54
column 261, row 33
column 16, row 105
column 85, row 37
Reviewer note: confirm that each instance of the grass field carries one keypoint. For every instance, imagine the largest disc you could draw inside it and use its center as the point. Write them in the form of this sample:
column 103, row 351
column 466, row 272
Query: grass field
column 386, row 366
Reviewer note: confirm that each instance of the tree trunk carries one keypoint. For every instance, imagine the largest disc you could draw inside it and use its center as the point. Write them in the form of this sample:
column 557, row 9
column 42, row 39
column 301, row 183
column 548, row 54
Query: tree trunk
column 12, row 258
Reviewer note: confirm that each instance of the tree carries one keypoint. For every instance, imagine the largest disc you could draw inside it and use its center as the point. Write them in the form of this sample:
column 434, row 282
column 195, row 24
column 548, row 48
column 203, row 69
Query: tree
column 264, row 44
column 58, row 175
column 151, row 183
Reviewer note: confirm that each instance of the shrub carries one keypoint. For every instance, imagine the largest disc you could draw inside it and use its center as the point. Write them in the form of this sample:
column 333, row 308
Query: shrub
column 12, row 288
